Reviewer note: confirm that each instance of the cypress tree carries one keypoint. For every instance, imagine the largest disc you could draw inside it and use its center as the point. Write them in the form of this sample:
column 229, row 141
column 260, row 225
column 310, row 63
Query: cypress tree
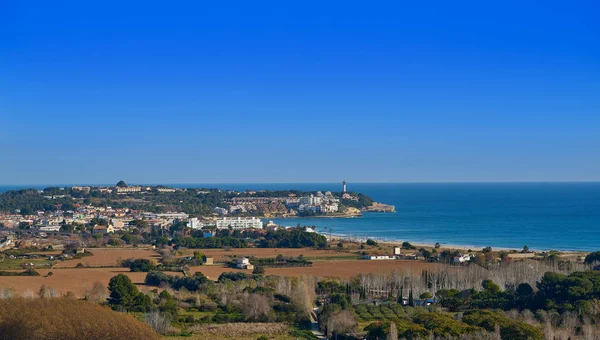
column 410, row 298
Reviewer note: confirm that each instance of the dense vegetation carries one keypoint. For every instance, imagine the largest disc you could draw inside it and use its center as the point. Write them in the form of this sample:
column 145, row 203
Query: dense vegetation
column 294, row 238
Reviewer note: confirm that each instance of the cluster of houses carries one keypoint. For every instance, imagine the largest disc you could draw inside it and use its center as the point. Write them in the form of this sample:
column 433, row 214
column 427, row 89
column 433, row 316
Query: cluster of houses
column 398, row 255
column 317, row 203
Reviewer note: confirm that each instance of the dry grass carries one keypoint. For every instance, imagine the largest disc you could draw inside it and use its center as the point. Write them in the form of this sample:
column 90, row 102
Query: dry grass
column 240, row 331
column 64, row 318
column 105, row 257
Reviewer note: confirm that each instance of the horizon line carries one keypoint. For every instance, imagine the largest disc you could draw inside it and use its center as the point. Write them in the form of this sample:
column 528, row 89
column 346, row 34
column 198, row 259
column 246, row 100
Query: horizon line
column 328, row 182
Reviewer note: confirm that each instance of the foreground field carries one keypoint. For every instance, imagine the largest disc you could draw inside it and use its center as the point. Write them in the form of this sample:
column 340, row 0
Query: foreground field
column 107, row 257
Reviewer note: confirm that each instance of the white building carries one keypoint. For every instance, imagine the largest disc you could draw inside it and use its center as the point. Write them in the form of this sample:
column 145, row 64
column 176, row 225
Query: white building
column 244, row 263
column 178, row 216
column 377, row 257
column 123, row 190
column 462, row 258
column 311, row 200
column 239, row 223
column 50, row 228
column 195, row 223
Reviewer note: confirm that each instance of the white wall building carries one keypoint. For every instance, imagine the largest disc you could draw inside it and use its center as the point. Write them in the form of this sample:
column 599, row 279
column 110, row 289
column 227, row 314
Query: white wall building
column 195, row 223
column 239, row 223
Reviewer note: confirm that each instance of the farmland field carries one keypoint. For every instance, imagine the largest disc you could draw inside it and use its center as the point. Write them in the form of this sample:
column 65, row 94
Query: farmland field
column 106, row 257
column 223, row 254
column 335, row 268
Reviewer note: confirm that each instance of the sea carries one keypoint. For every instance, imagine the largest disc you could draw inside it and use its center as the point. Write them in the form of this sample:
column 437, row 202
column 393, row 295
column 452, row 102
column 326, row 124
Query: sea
column 543, row 216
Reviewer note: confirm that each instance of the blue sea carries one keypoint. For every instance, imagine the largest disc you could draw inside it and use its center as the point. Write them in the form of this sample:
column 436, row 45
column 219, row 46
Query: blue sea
column 562, row 216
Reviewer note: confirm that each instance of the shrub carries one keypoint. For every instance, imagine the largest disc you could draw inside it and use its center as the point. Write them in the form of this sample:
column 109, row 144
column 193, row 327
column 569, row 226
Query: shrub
column 371, row 242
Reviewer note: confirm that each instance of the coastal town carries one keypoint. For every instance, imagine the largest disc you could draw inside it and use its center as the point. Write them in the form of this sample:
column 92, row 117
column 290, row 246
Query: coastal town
column 202, row 258
column 82, row 208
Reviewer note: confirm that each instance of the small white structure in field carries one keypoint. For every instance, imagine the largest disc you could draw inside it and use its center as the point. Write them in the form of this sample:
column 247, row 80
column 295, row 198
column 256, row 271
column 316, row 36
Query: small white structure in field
column 462, row 258
column 377, row 257
column 397, row 250
column 244, row 263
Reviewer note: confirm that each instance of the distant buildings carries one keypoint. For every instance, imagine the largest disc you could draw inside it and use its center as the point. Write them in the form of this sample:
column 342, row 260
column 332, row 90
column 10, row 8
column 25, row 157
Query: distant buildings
column 239, row 223
column 123, row 190
column 377, row 257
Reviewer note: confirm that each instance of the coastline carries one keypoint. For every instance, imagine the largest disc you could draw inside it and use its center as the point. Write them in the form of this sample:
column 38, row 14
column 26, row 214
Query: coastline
column 465, row 248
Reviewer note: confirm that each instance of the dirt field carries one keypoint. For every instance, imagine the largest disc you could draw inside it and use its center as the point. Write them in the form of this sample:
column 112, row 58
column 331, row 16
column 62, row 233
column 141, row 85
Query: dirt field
column 64, row 280
column 342, row 269
column 220, row 254
column 109, row 257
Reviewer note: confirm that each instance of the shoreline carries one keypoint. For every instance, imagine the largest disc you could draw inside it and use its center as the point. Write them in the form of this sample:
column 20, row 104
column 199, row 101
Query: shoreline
column 341, row 237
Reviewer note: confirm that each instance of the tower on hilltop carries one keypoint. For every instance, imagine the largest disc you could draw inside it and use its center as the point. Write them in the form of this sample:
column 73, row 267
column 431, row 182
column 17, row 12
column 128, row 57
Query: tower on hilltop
column 344, row 183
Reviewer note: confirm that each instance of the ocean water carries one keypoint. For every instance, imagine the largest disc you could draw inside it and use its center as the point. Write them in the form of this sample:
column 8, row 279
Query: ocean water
column 562, row 216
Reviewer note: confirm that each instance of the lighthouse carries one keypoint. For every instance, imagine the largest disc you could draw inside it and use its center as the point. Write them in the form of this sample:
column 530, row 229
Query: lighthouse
column 344, row 183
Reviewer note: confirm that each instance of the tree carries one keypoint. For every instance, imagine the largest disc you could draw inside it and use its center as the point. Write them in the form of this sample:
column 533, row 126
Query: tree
column 258, row 270
column 592, row 257
column 407, row 245
column 121, row 184
column 341, row 322
column 525, row 249
column 393, row 332
column 256, row 306
column 437, row 245
column 198, row 255
column 122, row 291
column 371, row 242
column 411, row 301
column 425, row 296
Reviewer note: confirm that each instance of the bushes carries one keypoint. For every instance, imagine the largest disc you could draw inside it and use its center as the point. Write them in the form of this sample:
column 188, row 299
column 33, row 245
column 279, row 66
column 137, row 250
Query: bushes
column 28, row 272
column 371, row 243
column 191, row 283
column 210, row 242
column 64, row 318
column 509, row 328
column 443, row 325
column 233, row 276
column 293, row 238
column 138, row 265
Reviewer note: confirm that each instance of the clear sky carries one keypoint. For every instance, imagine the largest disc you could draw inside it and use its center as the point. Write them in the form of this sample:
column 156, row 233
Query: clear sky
column 303, row 91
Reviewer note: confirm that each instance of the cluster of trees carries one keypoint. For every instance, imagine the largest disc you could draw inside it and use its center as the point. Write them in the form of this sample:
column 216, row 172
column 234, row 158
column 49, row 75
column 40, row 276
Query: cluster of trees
column 281, row 261
column 209, row 242
column 28, row 201
column 339, row 317
column 191, row 283
column 124, row 295
column 363, row 201
column 27, row 272
column 138, row 265
column 578, row 291
column 293, row 238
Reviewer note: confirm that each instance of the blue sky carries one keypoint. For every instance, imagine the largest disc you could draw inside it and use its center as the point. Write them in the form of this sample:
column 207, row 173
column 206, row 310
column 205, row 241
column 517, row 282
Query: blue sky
column 199, row 92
